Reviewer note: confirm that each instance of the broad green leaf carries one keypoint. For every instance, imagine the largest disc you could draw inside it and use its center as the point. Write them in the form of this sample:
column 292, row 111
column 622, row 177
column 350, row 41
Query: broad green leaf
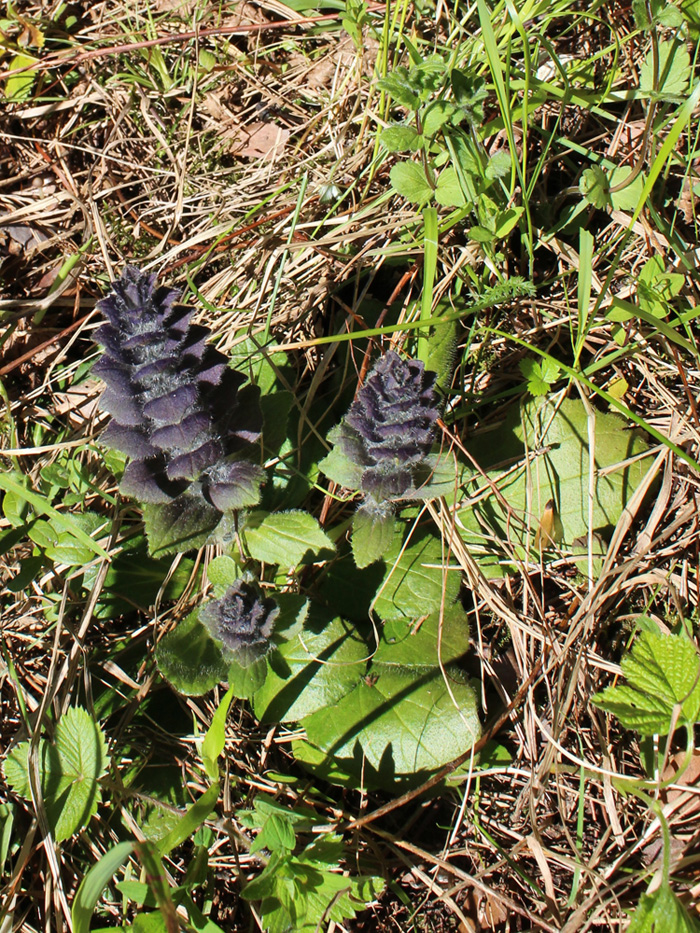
column 401, row 88
column 69, row 772
column 70, row 550
column 405, row 720
column 556, row 470
column 372, row 536
column 499, row 165
column 401, row 139
column 246, row 679
column 449, row 191
column 507, row 220
column 662, row 912
column 417, row 580
column 275, row 411
column 190, row 659
column 181, row 525
column 595, row 187
column 409, row 180
column 286, row 538
column 94, row 883
column 318, row 663
column 674, row 69
column 662, row 672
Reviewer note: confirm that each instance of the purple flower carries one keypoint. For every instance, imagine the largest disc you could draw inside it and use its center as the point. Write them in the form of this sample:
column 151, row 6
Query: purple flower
column 390, row 427
column 176, row 407
column 242, row 621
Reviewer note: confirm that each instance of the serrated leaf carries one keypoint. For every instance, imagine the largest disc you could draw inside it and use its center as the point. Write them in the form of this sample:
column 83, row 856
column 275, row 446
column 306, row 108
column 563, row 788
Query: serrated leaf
column 190, row 659
column 674, row 69
column 69, row 770
column 372, row 536
column 661, row 912
column 663, row 672
column 595, row 187
column 318, row 663
column 436, row 115
column 401, row 139
column 499, row 165
column 401, row 88
column 560, row 472
column 539, row 374
column 181, row 525
column 286, row 538
column 417, row 581
column 408, row 179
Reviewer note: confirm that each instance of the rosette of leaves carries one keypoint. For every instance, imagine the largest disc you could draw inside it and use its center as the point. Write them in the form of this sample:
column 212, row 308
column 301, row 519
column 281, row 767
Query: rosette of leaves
column 382, row 448
column 178, row 412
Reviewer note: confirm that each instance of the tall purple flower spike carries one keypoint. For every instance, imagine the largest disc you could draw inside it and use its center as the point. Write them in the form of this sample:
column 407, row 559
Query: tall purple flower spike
column 390, row 426
column 242, row 621
column 176, row 407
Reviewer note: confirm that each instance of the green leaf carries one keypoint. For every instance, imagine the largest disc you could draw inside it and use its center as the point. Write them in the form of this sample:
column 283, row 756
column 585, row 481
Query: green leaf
column 181, row 525
column 337, row 466
column 190, row 821
column 436, row 115
column 507, row 220
column 215, row 738
column 69, row 772
column 663, row 672
column 372, row 536
column 247, row 679
column 409, row 180
column 401, row 88
column 595, row 187
column 223, row 571
column 190, row 659
column 135, row 579
column 319, row 661
column 662, row 912
column 674, row 69
column 494, row 528
column 540, row 375
column 417, row 581
column 72, row 551
column 59, row 520
column 286, row 538
column 499, row 165
column 19, row 87
column 94, row 883
column 449, row 191
column 627, row 198
column 405, row 715
column 401, row 139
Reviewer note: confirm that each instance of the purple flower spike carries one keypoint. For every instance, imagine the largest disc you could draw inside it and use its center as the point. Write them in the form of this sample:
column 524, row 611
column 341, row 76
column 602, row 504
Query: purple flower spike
column 242, row 621
column 390, row 426
column 176, row 406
